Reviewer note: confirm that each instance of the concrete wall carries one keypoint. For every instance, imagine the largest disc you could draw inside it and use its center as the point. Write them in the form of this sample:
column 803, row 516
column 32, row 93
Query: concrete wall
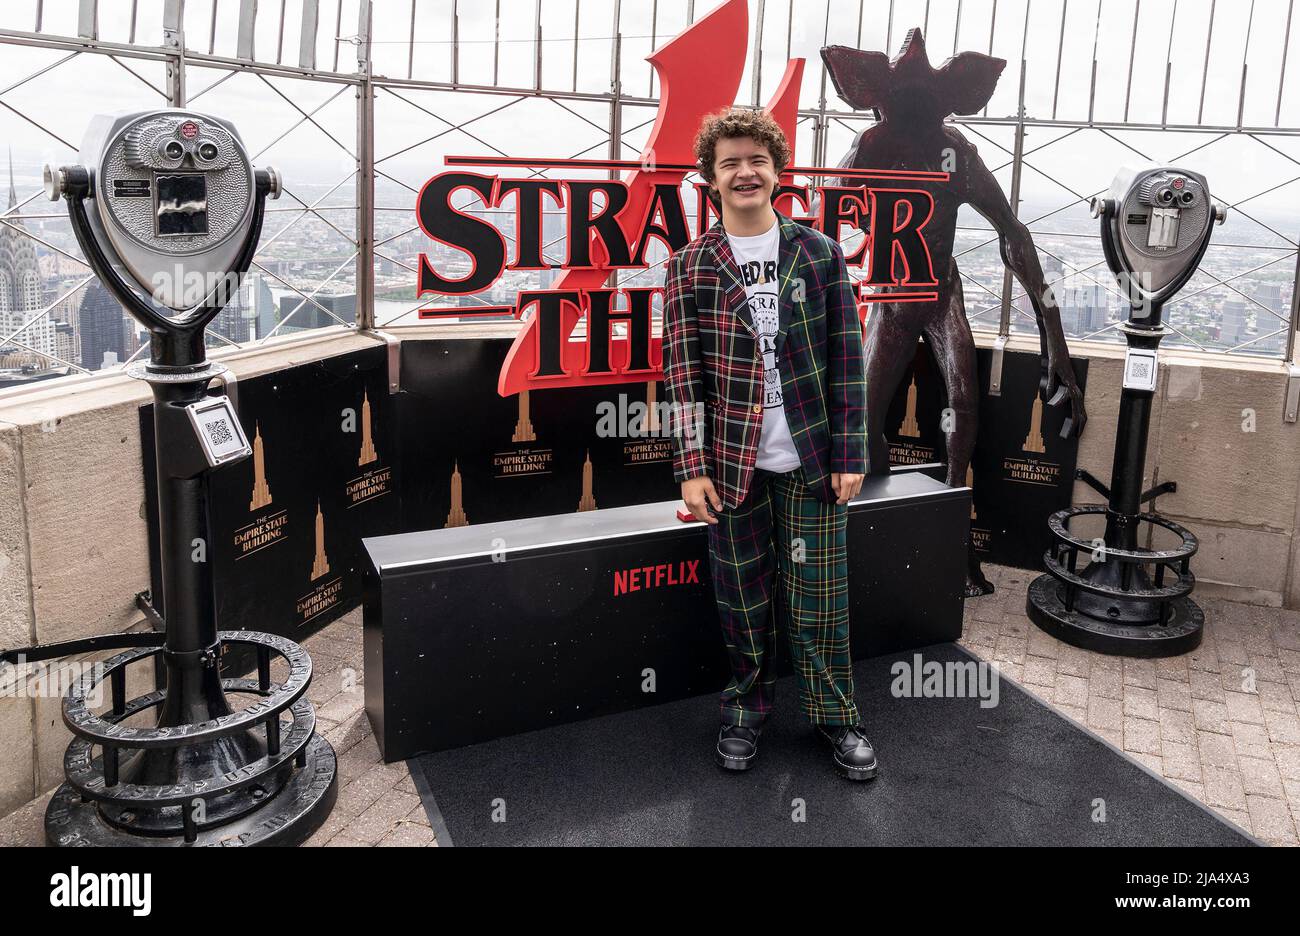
column 74, row 550
column 73, row 540
column 1217, row 431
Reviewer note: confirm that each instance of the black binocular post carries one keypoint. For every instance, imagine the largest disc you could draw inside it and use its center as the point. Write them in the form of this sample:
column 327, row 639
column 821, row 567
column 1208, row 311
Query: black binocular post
column 1115, row 605
column 204, row 773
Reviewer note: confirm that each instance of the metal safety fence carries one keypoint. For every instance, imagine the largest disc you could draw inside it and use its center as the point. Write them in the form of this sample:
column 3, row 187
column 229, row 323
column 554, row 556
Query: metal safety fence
column 356, row 102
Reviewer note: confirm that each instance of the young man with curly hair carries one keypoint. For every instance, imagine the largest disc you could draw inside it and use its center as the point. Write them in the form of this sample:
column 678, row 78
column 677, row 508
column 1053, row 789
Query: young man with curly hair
column 763, row 347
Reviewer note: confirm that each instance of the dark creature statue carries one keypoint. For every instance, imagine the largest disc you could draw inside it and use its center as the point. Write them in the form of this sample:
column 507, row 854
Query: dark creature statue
column 911, row 100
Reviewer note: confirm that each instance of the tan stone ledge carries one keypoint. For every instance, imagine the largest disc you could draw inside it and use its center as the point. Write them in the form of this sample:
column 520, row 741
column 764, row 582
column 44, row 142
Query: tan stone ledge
column 65, row 396
column 1186, row 357
column 55, row 399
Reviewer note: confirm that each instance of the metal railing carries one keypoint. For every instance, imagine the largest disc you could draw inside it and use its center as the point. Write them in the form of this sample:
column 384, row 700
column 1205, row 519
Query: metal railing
column 584, row 59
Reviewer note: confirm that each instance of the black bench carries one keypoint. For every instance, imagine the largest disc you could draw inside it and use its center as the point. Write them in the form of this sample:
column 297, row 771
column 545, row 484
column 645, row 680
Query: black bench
column 482, row 631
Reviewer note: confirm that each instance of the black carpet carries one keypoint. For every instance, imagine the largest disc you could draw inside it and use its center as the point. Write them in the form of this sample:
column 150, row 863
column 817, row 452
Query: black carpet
column 952, row 773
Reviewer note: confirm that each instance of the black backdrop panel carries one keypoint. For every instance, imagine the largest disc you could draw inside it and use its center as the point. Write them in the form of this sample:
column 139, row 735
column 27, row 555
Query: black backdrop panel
column 508, row 458
column 1022, row 470
column 451, row 418
column 287, row 526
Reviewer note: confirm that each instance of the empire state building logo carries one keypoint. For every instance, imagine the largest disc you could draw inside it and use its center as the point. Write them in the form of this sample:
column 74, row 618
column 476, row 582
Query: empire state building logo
column 588, row 499
column 1034, row 440
column 368, row 453
column 375, row 480
column 456, row 516
column 523, row 426
column 320, row 565
column 651, row 408
column 910, row 426
column 261, row 491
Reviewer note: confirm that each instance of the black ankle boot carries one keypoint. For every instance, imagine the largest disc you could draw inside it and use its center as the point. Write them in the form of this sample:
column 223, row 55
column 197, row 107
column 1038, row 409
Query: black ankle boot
column 737, row 747
column 852, row 752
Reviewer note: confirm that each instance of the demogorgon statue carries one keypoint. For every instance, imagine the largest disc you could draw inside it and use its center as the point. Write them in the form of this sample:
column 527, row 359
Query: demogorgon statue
column 911, row 100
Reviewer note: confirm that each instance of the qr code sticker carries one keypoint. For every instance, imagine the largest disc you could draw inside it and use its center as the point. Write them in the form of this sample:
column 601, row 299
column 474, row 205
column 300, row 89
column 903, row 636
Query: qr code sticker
column 1140, row 369
column 219, row 432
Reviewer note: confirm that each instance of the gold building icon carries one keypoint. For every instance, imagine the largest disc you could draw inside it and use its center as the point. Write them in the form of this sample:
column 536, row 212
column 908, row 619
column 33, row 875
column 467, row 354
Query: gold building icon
column 368, row 453
column 970, row 483
column 910, row 426
column 523, row 426
column 1034, row 441
column 456, row 516
column 321, row 564
column 261, row 490
column 588, row 500
column 652, row 409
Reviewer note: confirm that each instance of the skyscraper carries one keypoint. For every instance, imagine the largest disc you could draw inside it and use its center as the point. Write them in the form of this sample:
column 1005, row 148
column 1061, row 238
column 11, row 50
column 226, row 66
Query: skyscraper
column 104, row 328
column 1232, row 330
column 235, row 320
column 21, row 292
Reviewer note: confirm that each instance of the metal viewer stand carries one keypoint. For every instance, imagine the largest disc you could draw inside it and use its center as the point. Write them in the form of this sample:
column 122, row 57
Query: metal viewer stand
column 1155, row 226
column 204, row 773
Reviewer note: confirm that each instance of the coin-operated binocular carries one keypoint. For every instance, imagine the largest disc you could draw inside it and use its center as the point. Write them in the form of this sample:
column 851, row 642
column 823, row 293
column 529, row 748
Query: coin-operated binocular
column 168, row 209
column 1155, row 225
column 170, row 203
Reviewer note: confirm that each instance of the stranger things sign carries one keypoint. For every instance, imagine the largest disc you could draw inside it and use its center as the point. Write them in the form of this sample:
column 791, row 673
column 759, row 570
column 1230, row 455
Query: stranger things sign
column 700, row 72
column 609, row 225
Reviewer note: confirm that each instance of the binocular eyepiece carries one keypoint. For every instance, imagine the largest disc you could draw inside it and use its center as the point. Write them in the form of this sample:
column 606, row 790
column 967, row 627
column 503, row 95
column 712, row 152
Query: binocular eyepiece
column 1169, row 189
column 1166, row 197
column 163, row 191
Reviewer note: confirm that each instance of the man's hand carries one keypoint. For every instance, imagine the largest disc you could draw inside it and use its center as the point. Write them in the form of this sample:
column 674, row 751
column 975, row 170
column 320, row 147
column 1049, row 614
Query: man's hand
column 699, row 494
column 846, row 486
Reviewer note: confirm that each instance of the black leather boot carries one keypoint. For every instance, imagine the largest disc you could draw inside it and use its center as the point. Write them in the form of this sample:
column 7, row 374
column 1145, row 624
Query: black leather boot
column 737, row 747
column 852, row 752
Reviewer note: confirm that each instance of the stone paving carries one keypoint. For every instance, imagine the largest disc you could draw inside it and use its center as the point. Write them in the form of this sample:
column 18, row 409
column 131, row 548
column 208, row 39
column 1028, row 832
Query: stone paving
column 1222, row 723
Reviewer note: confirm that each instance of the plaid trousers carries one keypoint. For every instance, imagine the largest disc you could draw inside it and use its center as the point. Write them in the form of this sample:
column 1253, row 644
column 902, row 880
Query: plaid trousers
column 780, row 526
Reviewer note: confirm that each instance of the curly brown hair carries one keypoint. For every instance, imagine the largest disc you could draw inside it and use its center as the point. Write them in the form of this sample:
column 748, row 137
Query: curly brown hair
column 740, row 122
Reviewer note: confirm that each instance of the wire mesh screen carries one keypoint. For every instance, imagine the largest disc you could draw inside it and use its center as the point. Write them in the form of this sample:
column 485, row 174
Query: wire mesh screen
column 358, row 103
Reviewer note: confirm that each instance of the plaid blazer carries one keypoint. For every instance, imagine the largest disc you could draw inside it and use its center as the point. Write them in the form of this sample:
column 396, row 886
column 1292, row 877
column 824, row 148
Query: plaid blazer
column 713, row 368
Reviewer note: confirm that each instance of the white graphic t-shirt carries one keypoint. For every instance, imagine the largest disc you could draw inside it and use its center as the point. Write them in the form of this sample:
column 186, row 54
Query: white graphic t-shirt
column 757, row 259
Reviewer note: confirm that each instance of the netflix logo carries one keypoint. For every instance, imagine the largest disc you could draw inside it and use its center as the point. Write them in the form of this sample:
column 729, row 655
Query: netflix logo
column 656, row 576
